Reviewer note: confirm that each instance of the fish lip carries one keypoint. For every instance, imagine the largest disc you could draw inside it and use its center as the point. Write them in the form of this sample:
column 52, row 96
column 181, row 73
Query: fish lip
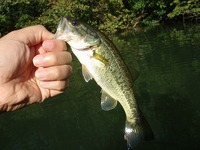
column 61, row 32
column 65, row 32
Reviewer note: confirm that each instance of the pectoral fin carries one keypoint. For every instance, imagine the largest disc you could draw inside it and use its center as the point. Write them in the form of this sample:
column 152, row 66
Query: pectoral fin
column 100, row 58
column 107, row 102
column 87, row 76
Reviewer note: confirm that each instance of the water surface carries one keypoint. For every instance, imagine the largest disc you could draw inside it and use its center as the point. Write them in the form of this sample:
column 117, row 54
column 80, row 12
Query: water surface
column 168, row 60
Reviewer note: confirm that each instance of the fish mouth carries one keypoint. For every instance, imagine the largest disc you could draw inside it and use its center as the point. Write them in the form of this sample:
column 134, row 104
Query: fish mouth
column 62, row 30
column 69, row 30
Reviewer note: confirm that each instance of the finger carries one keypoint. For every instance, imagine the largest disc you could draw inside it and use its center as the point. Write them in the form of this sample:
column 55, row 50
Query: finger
column 54, row 73
column 55, row 85
column 52, row 59
column 54, row 45
column 31, row 36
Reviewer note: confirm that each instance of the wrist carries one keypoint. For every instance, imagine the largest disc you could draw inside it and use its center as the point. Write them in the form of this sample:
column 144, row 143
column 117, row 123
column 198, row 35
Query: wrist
column 11, row 99
column 6, row 99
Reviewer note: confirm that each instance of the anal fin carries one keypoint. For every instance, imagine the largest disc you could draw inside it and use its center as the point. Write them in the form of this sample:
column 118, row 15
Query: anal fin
column 107, row 102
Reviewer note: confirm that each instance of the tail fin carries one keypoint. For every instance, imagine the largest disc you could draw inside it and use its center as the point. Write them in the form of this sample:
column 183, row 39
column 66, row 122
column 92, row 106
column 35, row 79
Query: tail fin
column 137, row 131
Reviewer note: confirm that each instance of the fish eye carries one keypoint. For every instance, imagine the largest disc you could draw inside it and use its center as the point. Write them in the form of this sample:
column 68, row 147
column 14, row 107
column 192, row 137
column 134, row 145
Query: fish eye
column 74, row 22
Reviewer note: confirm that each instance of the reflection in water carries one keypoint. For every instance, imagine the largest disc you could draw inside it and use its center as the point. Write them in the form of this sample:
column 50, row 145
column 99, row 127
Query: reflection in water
column 167, row 90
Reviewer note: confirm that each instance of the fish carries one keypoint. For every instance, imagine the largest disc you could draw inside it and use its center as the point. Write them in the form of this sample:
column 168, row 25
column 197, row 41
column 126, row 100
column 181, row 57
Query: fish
column 102, row 62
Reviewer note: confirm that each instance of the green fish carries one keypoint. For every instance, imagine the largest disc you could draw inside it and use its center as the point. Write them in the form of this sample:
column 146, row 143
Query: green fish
column 102, row 62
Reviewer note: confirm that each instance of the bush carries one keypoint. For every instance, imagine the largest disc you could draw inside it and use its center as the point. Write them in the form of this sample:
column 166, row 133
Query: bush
column 107, row 15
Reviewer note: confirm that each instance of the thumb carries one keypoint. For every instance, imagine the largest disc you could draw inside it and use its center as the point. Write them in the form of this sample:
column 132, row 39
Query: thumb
column 31, row 36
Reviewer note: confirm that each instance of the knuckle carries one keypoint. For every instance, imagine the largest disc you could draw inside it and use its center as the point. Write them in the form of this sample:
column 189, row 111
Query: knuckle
column 70, row 71
column 69, row 57
column 40, row 27
column 67, row 71
column 60, row 85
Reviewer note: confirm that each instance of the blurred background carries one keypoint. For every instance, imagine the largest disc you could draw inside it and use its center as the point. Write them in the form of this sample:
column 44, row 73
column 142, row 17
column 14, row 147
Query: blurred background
column 159, row 38
column 106, row 15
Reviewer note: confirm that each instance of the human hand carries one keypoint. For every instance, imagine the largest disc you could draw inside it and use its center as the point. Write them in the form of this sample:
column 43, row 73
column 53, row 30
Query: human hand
column 33, row 67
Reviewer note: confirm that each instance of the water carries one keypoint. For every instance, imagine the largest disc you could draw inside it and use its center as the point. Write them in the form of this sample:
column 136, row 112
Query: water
column 167, row 90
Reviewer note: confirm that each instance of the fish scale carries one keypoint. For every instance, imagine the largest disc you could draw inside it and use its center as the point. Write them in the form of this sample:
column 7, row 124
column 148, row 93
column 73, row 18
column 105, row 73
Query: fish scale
column 119, row 75
column 102, row 62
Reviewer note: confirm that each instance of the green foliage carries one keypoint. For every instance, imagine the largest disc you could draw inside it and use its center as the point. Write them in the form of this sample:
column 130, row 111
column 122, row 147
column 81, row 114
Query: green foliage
column 107, row 15
column 189, row 9
column 20, row 13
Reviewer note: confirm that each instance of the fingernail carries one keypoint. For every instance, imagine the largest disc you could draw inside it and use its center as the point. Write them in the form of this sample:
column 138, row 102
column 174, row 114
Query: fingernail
column 38, row 60
column 41, row 74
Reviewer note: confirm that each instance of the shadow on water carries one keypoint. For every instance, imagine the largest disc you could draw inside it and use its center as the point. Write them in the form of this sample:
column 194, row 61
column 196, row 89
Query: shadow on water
column 167, row 90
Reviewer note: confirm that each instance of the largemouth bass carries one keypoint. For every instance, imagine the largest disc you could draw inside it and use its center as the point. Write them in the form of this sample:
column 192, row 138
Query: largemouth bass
column 101, row 61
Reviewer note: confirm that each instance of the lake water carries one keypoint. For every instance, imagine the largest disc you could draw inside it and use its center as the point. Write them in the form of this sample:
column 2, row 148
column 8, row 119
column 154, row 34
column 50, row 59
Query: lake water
column 167, row 90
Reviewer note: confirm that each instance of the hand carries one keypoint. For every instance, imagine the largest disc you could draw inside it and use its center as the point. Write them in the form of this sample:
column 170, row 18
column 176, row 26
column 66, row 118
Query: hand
column 33, row 67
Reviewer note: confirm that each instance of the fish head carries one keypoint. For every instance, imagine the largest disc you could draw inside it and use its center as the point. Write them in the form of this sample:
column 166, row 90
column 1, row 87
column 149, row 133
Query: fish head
column 77, row 34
